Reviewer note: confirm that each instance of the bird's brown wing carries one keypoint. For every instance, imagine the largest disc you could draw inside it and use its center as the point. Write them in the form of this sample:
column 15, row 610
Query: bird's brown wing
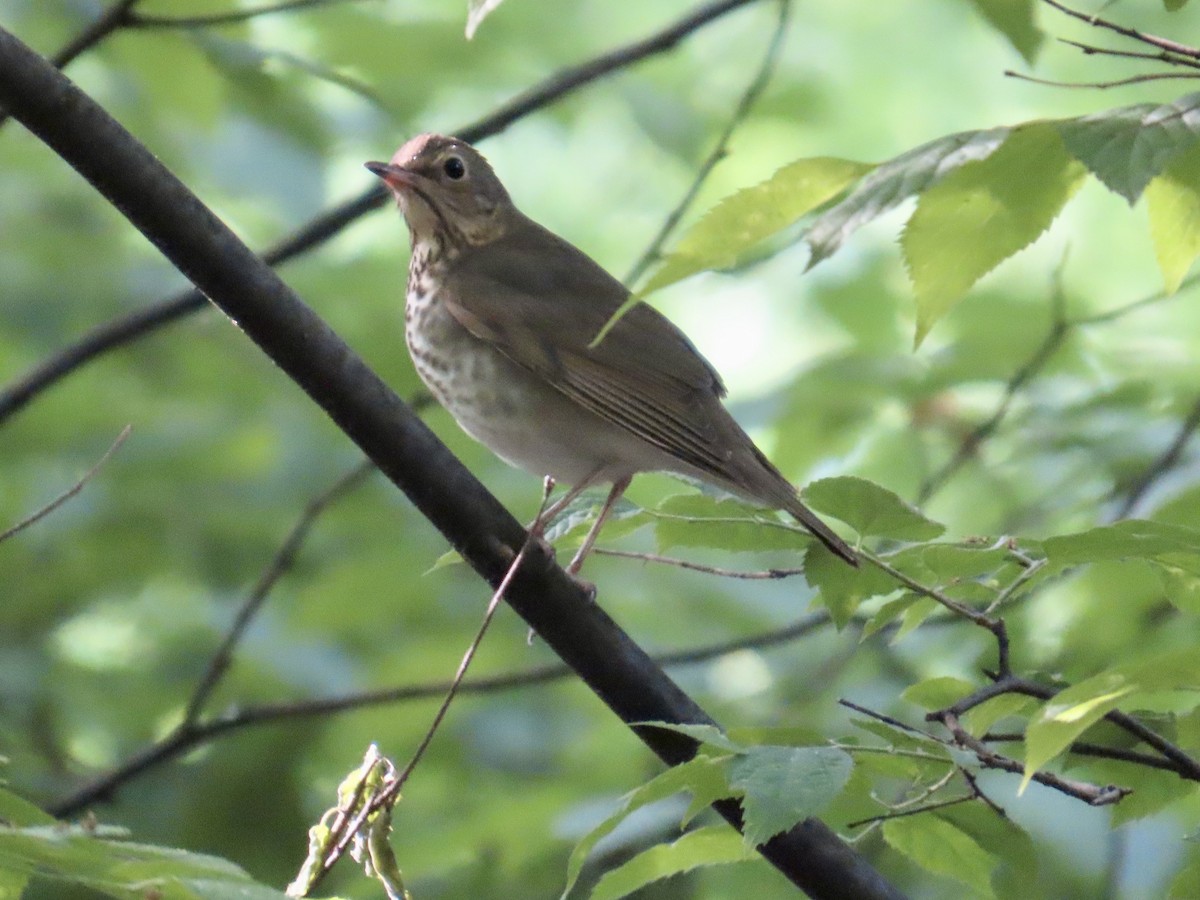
column 541, row 301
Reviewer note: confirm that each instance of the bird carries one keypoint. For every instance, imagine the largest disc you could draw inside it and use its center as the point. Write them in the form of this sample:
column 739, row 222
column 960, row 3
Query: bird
column 501, row 317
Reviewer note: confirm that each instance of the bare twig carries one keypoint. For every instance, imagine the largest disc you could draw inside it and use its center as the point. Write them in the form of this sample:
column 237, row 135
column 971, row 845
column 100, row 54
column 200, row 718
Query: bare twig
column 1084, row 748
column 969, row 446
column 69, row 492
column 1131, row 33
column 749, row 97
column 759, row 575
column 116, row 16
column 1091, row 794
column 189, row 736
column 1160, row 466
column 281, row 563
column 115, row 333
column 1105, row 85
column 1162, row 56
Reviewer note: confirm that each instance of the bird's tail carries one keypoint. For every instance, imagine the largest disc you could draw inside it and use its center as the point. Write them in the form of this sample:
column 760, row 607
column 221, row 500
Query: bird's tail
column 821, row 531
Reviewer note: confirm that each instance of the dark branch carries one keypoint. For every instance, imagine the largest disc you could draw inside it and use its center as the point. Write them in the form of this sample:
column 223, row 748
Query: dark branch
column 1163, row 464
column 1131, row 33
column 484, row 533
column 140, row 20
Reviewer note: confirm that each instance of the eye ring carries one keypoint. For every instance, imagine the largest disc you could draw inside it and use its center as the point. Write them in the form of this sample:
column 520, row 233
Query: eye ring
column 454, row 168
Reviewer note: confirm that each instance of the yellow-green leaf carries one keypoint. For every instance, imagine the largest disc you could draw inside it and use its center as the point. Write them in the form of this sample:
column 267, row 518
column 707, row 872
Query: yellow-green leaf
column 984, row 212
column 1173, row 200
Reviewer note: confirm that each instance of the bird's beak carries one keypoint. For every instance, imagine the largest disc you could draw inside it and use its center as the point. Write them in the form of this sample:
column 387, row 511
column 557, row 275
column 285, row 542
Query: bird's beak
column 395, row 177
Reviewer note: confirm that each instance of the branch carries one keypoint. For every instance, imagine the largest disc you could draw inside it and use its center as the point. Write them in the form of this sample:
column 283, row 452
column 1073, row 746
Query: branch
column 1131, row 33
column 484, row 533
column 69, row 492
column 1162, row 465
column 118, row 332
column 189, row 736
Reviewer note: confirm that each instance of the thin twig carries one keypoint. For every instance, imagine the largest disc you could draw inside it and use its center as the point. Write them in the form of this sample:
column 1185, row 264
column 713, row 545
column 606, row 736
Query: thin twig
column 69, row 492
column 1132, row 33
column 749, row 97
column 1084, row 748
column 1105, row 85
column 758, row 575
column 1091, row 794
column 1166, row 461
column 1162, row 56
column 280, row 564
column 968, row 447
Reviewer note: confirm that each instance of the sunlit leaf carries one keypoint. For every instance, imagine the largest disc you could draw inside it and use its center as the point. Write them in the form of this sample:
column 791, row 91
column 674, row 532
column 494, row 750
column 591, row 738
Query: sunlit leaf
column 983, row 213
column 477, row 11
column 1173, row 201
column 893, row 182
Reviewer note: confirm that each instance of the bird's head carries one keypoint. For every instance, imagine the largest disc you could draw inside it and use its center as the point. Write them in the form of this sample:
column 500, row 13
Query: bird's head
column 447, row 191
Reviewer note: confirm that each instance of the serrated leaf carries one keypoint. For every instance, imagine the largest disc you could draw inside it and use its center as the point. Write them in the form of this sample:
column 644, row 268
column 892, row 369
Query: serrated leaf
column 983, row 213
column 1129, row 539
column 1014, row 20
column 712, row 845
column 841, row 588
column 893, row 182
column 1127, row 147
column 477, row 11
column 746, row 218
column 870, row 509
column 666, row 784
column 1072, row 711
column 784, row 785
column 1173, row 202
column 939, row 847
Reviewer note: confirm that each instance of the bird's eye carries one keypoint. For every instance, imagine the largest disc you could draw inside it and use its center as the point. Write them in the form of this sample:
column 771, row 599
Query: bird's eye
column 454, row 168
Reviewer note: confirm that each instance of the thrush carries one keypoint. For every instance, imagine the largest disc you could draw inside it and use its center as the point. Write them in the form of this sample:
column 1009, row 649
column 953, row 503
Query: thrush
column 500, row 319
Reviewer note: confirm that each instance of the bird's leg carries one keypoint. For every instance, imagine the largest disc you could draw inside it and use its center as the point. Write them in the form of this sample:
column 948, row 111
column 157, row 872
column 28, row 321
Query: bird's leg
column 614, row 495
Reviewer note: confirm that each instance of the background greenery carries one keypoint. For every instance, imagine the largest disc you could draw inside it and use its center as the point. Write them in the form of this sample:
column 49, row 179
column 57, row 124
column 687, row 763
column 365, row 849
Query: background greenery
column 114, row 603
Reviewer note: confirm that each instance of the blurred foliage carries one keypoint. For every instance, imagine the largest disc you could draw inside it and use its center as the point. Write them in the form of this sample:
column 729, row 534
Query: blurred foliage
column 1039, row 407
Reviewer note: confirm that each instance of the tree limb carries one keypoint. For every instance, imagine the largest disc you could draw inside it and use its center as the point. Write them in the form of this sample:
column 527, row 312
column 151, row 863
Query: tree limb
column 487, row 536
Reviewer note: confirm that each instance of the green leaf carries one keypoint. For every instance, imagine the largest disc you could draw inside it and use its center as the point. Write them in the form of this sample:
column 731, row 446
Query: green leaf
column 982, row 717
column 893, row 182
column 1129, row 539
column 938, row 693
column 841, row 587
column 889, row 612
column 939, row 847
column 744, row 219
column 784, row 785
column 702, row 734
column 694, row 520
column 1072, row 711
column 712, row 845
column 1186, row 885
column 870, row 509
column 477, row 11
column 699, row 771
column 19, row 812
column 1014, row 19
column 1127, row 147
column 1173, row 202
column 983, row 213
